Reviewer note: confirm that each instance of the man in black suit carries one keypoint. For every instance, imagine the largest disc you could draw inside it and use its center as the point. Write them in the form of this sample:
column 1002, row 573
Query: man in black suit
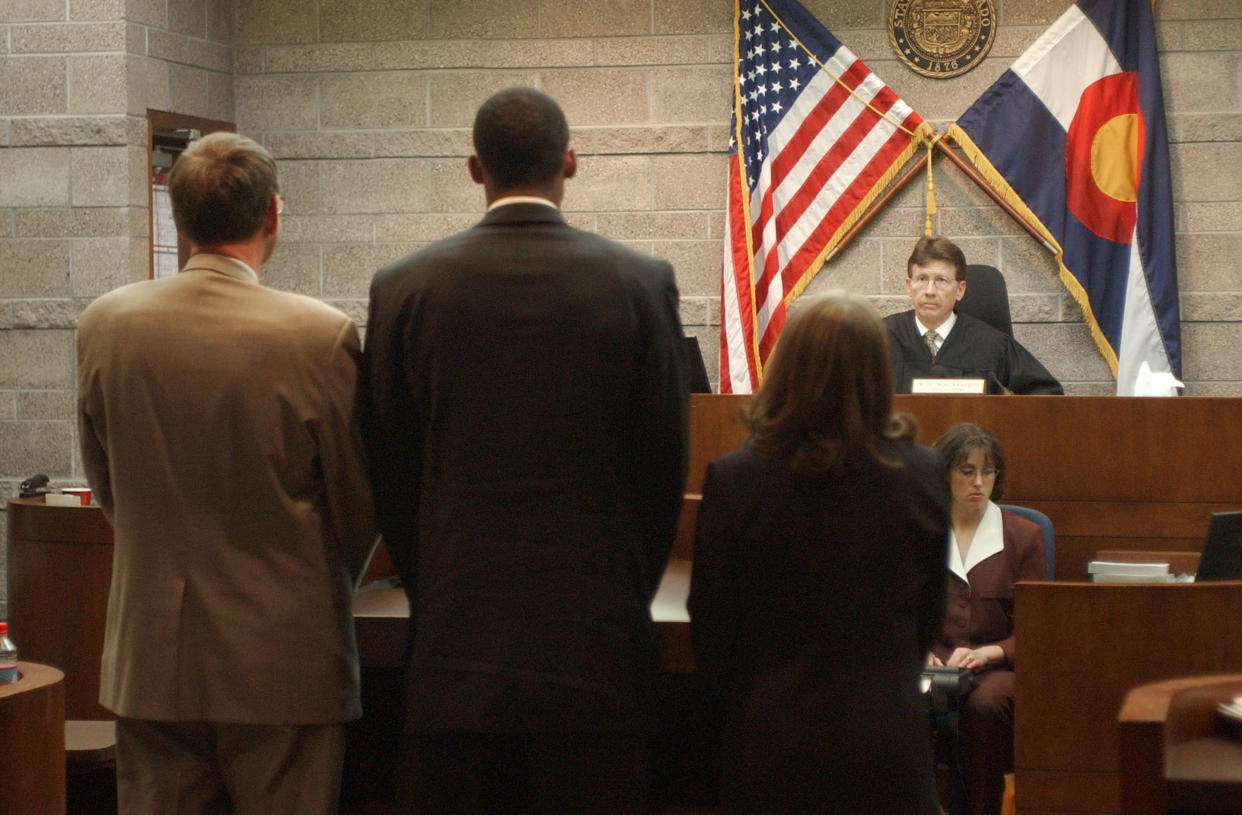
column 935, row 340
column 523, row 399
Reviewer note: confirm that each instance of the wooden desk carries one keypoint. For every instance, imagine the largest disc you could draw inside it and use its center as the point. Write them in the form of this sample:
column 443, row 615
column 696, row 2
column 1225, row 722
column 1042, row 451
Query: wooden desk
column 60, row 570
column 1176, row 752
column 1080, row 647
column 32, row 753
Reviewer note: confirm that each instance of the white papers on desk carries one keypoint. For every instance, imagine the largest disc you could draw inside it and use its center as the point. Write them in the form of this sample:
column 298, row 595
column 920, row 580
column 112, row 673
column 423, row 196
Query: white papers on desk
column 1108, row 571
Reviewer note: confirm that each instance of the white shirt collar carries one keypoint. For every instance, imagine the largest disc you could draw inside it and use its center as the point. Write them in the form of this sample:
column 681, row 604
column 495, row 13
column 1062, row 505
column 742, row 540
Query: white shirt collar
column 520, row 199
column 942, row 331
column 989, row 540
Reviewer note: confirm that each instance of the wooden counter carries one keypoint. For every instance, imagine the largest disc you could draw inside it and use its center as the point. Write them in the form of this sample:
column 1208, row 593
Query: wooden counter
column 60, row 570
column 32, row 724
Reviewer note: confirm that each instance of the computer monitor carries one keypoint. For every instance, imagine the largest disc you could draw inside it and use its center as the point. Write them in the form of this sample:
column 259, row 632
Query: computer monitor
column 1222, row 549
column 698, row 370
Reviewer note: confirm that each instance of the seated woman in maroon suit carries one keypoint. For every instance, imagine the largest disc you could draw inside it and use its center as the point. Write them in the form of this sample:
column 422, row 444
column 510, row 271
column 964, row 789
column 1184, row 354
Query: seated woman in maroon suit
column 818, row 582
column 989, row 551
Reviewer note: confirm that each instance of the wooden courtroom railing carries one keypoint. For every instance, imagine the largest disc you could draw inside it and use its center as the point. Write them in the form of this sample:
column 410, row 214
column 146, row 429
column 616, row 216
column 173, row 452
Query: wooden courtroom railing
column 32, row 724
column 1116, row 473
column 1113, row 473
column 1080, row 648
column 1177, row 752
column 60, row 568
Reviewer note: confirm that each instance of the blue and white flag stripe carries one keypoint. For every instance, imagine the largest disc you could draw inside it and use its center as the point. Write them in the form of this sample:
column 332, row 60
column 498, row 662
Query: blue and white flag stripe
column 1073, row 135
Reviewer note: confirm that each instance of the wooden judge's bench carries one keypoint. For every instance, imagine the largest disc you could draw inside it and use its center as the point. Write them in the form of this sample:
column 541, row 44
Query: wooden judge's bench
column 1113, row 474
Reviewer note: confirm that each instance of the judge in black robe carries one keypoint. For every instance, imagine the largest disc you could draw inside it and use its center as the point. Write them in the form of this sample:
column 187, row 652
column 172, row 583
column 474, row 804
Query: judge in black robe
column 973, row 349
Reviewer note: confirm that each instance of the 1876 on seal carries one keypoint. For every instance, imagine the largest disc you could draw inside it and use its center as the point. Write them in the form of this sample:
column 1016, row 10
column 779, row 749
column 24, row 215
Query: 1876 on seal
column 941, row 38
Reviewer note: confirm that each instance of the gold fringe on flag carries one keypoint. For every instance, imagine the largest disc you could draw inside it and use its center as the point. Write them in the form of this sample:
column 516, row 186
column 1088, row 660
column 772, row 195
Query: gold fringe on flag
column 1001, row 186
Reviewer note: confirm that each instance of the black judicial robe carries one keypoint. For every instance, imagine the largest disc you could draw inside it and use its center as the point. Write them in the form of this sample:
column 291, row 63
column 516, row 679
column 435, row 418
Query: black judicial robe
column 973, row 349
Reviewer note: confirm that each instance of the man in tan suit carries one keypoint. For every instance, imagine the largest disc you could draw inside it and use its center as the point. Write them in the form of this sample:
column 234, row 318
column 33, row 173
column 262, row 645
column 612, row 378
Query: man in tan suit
column 216, row 433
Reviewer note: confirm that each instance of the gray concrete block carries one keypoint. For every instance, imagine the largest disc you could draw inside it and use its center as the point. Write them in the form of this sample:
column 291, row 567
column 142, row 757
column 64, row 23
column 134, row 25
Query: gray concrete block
column 277, row 103
column 31, row 85
column 371, row 20
column 347, row 270
column 187, row 87
column 99, row 84
column 100, row 176
column 693, row 17
column 34, row 10
column 37, row 447
column 453, row 98
column 695, row 263
column 394, row 99
column 418, row 228
column 47, row 405
column 652, row 50
column 327, row 58
column 36, row 359
column 286, row 22
column 51, row 39
column 424, row 143
column 34, row 176
column 641, row 139
column 484, row 53
column 189, row 17
column 610, row 183
column 451, row 19
column 692, row 181
column 699, row 94
column 594, row 18
column 34, row 268
column 374, row 186
column 321, row 145
column 601, row 96
column 295, row 268
column 1210, row 262
column 657, row 226
column 64, row 131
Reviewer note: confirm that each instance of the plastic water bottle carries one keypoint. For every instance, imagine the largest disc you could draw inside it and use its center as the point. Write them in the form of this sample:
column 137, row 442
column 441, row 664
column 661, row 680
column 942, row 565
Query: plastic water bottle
column 8, row 656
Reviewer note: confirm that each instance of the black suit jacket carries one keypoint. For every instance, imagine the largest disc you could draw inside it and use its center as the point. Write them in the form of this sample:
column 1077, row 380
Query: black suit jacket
column 973, row 349
column 523, row 400
column 813, row 602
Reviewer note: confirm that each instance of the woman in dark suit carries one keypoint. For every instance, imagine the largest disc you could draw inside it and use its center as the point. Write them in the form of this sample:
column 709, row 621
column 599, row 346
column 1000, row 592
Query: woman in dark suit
column 819, row 582
column 989, row 551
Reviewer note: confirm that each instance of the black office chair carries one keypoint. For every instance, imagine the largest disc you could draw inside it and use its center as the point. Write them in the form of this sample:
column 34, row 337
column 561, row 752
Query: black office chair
column 987, row 297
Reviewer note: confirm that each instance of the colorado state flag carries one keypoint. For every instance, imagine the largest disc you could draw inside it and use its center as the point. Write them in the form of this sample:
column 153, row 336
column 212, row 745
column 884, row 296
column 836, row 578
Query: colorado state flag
column 1073, row 135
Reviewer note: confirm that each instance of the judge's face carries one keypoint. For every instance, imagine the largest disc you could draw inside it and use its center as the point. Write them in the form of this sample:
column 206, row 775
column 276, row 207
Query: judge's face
column 934, row 290
column 971, row 482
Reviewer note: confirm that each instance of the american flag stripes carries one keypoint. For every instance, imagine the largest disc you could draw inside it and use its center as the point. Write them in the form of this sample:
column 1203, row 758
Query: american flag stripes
column 815, row 138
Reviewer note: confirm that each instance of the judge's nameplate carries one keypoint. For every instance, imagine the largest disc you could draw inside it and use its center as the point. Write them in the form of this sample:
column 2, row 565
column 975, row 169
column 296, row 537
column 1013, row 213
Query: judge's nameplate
column 943, row 385
column 941, row 38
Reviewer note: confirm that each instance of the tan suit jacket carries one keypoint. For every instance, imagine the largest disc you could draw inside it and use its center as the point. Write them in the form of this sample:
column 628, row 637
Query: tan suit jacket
column 216, row 433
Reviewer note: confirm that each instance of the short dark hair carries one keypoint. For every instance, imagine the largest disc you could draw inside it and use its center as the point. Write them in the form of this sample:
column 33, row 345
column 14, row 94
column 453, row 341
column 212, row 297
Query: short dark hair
column 221, row 188
column 934, row 247
column 826, row 402
column 520, row 137
column 959, row 441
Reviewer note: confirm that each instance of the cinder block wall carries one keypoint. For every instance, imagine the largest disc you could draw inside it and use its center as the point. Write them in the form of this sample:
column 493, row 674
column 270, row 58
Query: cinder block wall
column 367, row 105
column 76, row 80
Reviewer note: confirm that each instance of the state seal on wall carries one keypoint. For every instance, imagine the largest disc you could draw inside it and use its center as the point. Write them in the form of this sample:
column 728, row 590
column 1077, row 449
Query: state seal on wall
column 941, row 38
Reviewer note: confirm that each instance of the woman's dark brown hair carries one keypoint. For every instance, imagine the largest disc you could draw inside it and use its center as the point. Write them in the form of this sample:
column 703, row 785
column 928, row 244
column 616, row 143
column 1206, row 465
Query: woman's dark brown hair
column 959, row 441
column 827, row 396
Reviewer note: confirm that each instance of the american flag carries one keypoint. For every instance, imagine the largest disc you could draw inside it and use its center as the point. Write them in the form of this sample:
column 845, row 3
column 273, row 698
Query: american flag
column 815, row 138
